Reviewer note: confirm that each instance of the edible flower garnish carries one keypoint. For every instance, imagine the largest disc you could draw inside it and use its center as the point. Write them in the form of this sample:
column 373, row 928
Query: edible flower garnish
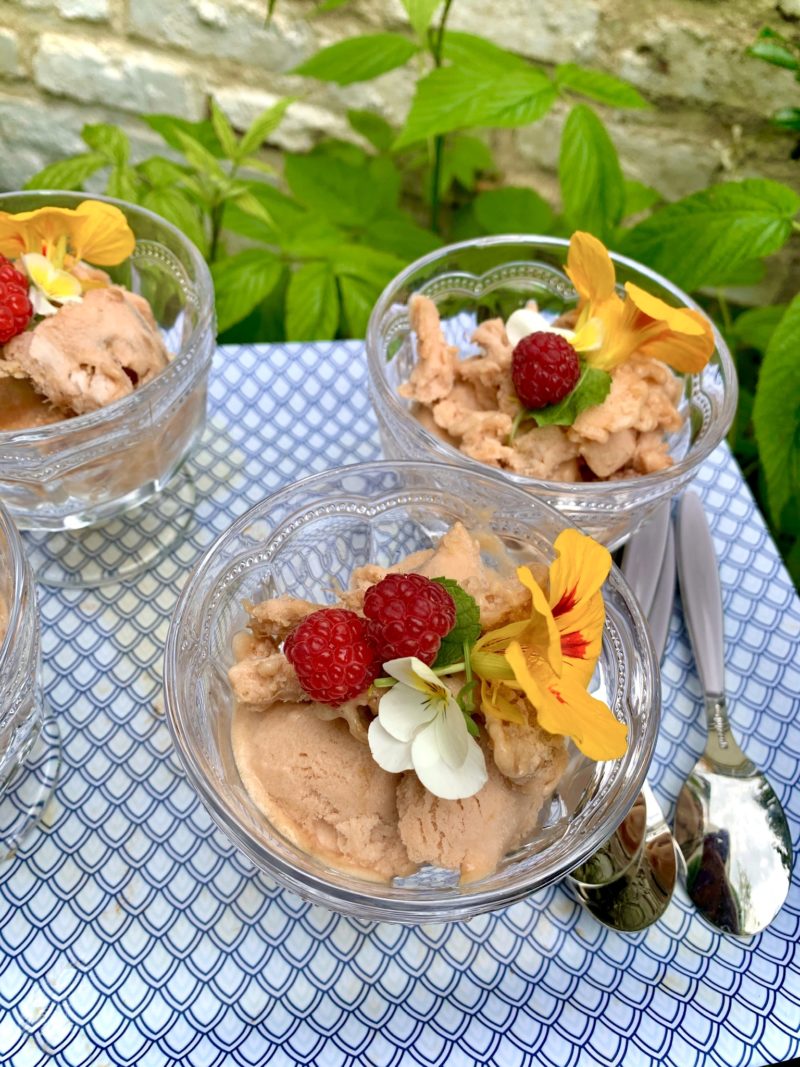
column 641, row 324
column 49, row 283
column 420, row 726
column 551, row 656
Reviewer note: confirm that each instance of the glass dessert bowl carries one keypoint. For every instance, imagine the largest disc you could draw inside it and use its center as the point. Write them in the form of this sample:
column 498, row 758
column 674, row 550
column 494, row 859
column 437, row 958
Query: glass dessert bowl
column 305, row 542
column 29, row 740
column 481, row 284
column 107, row 436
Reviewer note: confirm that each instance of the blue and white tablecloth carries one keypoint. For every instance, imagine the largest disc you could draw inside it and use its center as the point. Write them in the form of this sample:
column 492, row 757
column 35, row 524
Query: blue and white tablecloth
column 131, row 932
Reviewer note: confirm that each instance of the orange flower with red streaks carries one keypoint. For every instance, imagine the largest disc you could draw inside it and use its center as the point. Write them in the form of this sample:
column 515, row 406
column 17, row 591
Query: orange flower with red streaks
column 551, row 656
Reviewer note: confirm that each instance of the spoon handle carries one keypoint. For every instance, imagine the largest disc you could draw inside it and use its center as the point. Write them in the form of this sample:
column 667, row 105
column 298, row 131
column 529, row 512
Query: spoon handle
column 701, row 595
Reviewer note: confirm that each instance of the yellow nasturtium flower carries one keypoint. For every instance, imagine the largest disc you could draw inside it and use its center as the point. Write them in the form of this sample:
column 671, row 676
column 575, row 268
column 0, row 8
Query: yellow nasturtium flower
column 93, row 231
column 641, row 324
column 551, row 656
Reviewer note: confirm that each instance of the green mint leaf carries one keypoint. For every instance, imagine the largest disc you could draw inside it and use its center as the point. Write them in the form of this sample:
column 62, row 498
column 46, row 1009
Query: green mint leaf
column 312, row 304
column 242, row 282
column 512, row 210
column 597, row 85
column 359, row 59
column 457, row 98
column 697, row 238
column 68, row 173
column 776, row 414
column 592, row 186
column 592, row 389
column 467, row 626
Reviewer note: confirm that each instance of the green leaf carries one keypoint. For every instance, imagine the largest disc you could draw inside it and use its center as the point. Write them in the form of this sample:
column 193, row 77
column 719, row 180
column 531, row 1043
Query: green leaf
column 597, row 85
column 775, row 49
column 109, row 140
column 358, row 300
column 176, row 208
column 698, row 237
column 341, row 192
column 263, row 125
column 123, row 183
column 160, row 172
column 749, row 272
column 420, row 13
column 284, row 213
column 513, row 210
column 788, row 118
column 250, row 204
column 200, row 158
column 372, row 128
column 463, row 159
column 473, row 53
column 312, row 304
column 754, row 327
column 68, row 173
column 592, row 389
column 592, row 186
column 402, row 237
column 453, row 98
column 776, row 414
column 313, row 238
column 169, row 126
column 243, row 281
column 370, row 264
column 329, row 5
column 224, row 131
column 638, row 197
column 359, row 59
column 467, row 627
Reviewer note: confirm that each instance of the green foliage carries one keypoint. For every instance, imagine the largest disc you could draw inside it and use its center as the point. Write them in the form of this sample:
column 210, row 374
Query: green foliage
column 305, row 254
column 592, row 186
column 592, row 389
column 466, row 629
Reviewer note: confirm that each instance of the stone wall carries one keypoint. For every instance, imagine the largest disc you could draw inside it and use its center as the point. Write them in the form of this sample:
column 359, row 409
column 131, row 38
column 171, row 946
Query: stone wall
column 66, row 62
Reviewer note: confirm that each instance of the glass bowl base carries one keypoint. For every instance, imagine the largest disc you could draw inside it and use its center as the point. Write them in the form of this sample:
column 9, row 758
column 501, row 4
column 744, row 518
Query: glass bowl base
column 117, row 549
column 24, row 799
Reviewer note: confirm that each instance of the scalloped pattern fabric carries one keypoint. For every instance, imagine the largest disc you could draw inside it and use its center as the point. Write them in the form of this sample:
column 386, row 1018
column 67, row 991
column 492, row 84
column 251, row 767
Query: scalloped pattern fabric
column 132, row 932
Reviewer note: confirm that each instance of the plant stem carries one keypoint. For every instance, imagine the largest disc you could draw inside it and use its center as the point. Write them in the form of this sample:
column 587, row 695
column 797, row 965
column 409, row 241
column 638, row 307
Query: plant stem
column 438, row 141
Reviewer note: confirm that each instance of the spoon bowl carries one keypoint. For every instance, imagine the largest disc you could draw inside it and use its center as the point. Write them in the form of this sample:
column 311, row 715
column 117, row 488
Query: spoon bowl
column 729, row 824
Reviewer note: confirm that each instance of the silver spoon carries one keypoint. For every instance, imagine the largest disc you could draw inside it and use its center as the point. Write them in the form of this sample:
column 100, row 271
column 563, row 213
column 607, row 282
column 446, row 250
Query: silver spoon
column 729, row 824
column 628, row 883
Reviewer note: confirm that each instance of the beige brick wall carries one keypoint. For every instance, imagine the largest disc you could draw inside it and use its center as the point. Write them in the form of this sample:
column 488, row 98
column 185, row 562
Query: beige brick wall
column 66, row 62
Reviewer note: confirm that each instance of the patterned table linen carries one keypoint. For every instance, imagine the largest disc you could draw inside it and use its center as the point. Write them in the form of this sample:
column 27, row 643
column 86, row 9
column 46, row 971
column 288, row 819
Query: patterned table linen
column 131, row 932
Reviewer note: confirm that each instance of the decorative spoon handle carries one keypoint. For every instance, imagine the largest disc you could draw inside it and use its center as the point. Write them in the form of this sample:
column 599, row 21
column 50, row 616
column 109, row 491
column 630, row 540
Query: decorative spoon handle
column 701, row 594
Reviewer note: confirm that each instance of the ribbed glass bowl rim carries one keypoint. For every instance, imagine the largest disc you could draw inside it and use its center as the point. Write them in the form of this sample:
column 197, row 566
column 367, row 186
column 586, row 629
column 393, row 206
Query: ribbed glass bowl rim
column 128, row 405
column 13, row 553
column 694, row 457
column 434, row 905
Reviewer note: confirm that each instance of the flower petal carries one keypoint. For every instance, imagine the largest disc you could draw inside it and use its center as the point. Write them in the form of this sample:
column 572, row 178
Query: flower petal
column 449, row 783
column 417, row 675
column 389, row 753
column 578, row 572
column 542, row 631
column 104, row 236
column 590, row 268
column 403, row 711
column 452, row 734
column 564, row 707
column 679, row 320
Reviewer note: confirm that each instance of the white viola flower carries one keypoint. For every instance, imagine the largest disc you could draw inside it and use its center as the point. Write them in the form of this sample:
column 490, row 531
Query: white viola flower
column 421, row 727
column 525, row 321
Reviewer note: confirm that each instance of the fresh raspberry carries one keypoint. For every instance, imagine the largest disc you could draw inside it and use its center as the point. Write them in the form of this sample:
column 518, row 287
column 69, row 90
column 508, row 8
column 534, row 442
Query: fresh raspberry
column 332, row 655
column 11, row 276
column 16, row 310
column 544, row 368
column 408, row 616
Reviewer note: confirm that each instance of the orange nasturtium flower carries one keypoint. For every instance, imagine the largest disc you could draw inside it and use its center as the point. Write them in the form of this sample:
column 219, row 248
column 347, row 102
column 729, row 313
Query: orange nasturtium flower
column 641, row 324
column 93, row 231
column 551, row 656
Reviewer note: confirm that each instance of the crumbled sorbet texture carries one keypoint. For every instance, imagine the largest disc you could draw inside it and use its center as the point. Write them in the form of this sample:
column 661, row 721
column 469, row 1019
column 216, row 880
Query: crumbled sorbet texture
column 471, row 404
column 309, row 769
column 86, row 356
